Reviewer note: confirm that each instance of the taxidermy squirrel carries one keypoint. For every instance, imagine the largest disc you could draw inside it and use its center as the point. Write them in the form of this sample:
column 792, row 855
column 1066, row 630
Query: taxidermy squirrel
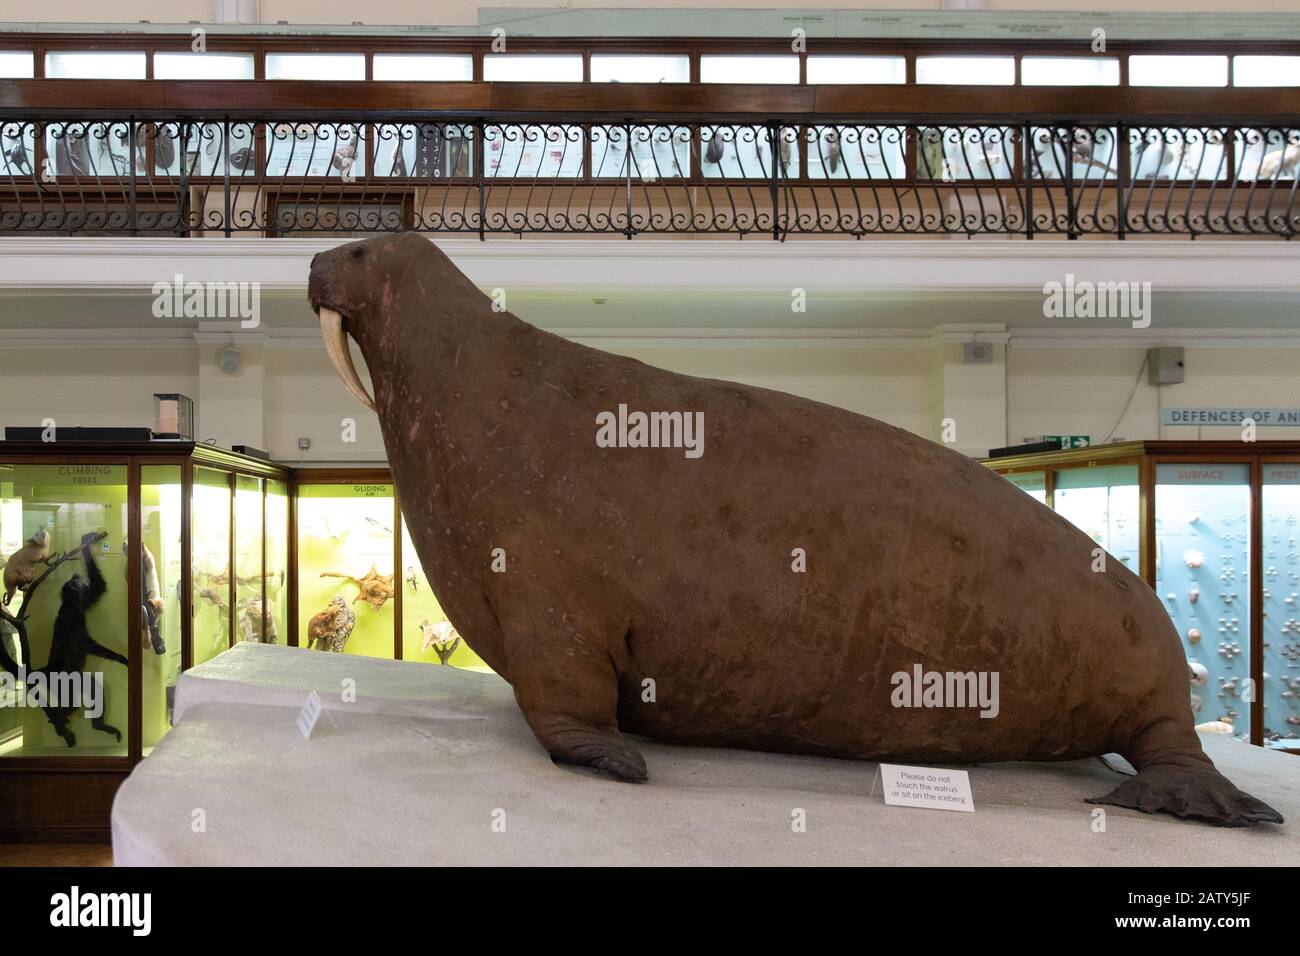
column 72, row 642
column 20, row 569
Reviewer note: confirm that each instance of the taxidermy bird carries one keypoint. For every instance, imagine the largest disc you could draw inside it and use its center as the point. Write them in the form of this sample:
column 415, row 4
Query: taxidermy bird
column 250, row 623
column 399, row 161
column 16, row 158
column 345, row 156
column 932, row 155
column 714, row 152
column 214, row 597
column 330, row 629
column 785, row 154
column 1081, row 151
column 441, row 637
column 164, row 149
column 833, row 155
column 21, row 568
column 375, row 588
column 412, row 578
column 1280, row 163
column 70, row 153
column 241, row 159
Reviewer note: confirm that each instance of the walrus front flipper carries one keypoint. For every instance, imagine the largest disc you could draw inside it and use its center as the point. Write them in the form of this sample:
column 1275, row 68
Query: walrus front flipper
column 568, row 691
column 1193, row 790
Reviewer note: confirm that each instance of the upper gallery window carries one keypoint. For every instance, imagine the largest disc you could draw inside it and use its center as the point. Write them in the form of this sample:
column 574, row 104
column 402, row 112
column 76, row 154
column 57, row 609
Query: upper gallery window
column 966, row 70
column 422, row 67
column 533, row 67
column 203, row 66
column 1069, row 71
column 1266, row 71
column 783, row 68
column 857, row 69
column 17, row 65
column 315, row 66
column 640, row 68
column 76, row 65
column 1177, row 70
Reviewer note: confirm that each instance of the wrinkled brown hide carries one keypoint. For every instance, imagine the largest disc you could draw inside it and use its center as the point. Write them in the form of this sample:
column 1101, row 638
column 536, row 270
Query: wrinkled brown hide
column 629, row 565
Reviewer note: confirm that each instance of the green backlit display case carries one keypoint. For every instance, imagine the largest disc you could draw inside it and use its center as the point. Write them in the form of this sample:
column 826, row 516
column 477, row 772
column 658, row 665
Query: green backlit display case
column 359, row 585
column 158, row 546
column 1212, row 527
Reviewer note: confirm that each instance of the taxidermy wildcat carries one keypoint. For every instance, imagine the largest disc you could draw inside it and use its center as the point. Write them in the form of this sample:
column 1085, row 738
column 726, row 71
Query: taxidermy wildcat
column 20, row 569
column 72, row 642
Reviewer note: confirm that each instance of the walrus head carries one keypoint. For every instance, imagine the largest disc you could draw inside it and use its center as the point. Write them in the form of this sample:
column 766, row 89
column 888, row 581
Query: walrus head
column 350, row 290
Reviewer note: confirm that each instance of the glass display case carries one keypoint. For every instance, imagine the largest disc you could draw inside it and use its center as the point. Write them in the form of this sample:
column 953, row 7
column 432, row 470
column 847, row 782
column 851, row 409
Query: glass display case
column 359, row 587
column 1202, row 559
column 120, row 571
column 1212, row 527
column 1280, row 590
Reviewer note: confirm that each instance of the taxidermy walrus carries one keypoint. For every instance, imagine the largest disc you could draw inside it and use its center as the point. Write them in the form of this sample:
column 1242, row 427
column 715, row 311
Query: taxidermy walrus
column 653, row 591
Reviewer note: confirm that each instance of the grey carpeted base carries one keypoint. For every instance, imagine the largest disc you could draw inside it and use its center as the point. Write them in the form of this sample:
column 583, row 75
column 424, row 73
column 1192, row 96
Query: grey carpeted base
column 433, row 765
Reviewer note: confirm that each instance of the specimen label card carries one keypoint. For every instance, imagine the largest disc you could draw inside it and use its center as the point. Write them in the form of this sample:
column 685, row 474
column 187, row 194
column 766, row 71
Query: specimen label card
column 926, row 787
column 309, row 714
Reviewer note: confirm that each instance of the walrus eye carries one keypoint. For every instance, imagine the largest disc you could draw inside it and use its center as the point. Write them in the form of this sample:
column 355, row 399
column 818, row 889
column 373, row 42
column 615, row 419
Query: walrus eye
column 358, row 252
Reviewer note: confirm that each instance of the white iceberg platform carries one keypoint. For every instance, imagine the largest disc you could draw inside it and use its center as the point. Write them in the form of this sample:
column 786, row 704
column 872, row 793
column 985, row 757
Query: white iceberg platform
column 429, row 762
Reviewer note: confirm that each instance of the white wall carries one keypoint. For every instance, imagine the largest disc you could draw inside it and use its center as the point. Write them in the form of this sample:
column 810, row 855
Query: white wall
column 1047, row 390
column 1087, row 390
column 91, row 386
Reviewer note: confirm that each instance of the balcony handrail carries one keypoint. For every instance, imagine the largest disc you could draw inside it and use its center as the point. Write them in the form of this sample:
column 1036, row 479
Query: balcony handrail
column 120, row 99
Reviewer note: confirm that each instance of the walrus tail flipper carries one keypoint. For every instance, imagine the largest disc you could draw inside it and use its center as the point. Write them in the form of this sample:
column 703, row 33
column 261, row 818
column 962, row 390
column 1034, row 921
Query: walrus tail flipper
column 1189, row 787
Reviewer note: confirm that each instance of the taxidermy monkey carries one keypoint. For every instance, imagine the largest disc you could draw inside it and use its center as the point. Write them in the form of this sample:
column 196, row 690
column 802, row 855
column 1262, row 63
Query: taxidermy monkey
column 151, row 602
column 72, row 642
column 20, row 569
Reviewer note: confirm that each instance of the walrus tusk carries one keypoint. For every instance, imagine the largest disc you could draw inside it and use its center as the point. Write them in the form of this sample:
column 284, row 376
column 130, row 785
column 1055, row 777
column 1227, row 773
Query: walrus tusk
column 336, row 344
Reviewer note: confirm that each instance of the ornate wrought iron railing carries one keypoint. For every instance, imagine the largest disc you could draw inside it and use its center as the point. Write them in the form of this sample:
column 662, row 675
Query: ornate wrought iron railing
column 206, row 175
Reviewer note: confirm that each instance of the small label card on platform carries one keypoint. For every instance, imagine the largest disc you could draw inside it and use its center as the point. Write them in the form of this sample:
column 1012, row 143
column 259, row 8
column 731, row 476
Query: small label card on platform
column 927, row 787
column 309, row 714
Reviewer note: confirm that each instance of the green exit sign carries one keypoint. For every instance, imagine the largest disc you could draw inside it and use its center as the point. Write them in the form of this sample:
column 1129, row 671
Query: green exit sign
column 1070, row 441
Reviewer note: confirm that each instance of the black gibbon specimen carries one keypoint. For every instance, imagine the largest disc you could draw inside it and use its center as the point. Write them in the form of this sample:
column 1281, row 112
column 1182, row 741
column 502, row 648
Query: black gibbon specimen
column 72, row 642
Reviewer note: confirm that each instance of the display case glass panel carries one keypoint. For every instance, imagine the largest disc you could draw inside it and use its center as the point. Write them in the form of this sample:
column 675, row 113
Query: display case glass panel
column 17, row 64
column 94, row 65
column 209, row 65
column 210, row 567
column 640, row 68
column 745, row 152
column 1069, row 71
column 1202, row 561
column 1103, row 502
column 277, row 561
column 857, row 69
column 315, row 66
column 424, row 150
column 250, row 624
column 523, row 152
column 1177, row 70
column 1032, row 483
column 658, row 152
column 161, row 584
column 427, row 635
column 1266, row 71
column 423, row 68
column 346, row 583
column 733, row 68
column 532, row 67
column 1280, row 501
column 966, row 70
column 856, row 152
column 64, row 704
